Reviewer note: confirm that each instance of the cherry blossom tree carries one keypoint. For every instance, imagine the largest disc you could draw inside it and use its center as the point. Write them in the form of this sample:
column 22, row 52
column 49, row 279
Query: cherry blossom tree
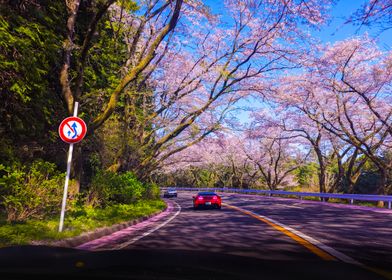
column 223, row 159
column 78, row 43
column 208, row 69
column 339, row 103
column 242, row 162
column 274, row 154
column 153, row 9
column 326, row 95
column 374, row 12
column 186, row 79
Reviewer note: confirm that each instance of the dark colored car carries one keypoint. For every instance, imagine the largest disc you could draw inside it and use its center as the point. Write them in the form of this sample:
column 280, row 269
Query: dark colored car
column 207, row 199
column 170, row 192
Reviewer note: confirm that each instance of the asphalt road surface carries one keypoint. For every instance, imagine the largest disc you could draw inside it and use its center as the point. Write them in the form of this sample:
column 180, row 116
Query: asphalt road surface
column 223, row 231
column 365, row 236
column 271, row 229
column 251, row 237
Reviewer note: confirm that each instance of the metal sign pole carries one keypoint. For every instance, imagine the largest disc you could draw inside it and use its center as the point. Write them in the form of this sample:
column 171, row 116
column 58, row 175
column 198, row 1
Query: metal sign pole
column 65, row 194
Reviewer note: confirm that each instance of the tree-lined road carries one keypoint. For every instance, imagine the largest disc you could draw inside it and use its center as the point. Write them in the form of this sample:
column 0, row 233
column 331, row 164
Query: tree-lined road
column 251, row 236
column 275, row 230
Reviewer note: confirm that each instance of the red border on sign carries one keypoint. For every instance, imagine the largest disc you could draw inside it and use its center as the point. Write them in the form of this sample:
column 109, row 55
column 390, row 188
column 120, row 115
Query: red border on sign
column 80, row 136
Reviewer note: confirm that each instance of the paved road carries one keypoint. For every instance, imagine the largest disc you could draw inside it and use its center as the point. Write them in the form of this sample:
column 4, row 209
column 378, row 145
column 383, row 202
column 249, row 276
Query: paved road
column 354, row 236
column 223, row 231
column 251, row 236
column 365, row 236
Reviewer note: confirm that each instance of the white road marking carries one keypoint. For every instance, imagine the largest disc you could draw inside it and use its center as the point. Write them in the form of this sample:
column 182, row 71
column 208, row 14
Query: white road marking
column 289, row 206
column 133, row 240
column 326, row 248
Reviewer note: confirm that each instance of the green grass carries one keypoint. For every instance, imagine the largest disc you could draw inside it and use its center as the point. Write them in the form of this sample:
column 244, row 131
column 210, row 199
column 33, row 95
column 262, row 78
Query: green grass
column 76, row 222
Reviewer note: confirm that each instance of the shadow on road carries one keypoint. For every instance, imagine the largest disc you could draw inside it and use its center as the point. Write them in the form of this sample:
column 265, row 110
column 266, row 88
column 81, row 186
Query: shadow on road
column 53, row 263
column 364, row 235
column 224, row 231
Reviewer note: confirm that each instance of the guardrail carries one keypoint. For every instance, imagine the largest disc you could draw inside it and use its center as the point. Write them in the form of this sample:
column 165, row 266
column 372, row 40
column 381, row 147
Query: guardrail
column 350, row 197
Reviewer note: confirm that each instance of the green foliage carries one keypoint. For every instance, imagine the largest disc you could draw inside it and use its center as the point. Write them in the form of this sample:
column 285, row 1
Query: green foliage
column 129, row 5
column 114, row 213
column 109, row 187
column 205, row 179
column 151, row 191
column 79, row 220
column 29, row 71
column 7, row 153
column 30, row 192
column 306, row 173
column 101, row 74
column 28, row 50
column 30, row 55
column 367, row 183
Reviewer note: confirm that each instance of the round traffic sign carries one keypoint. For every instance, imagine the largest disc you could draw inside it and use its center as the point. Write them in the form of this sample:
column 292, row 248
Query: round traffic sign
column 72, row 130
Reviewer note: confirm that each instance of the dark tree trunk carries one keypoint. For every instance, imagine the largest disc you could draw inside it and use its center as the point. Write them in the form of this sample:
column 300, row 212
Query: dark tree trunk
column 77, row 166
column 382, row 185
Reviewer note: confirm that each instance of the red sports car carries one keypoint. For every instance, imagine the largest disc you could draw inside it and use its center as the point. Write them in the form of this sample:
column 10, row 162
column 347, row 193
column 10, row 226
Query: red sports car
column 207, row 199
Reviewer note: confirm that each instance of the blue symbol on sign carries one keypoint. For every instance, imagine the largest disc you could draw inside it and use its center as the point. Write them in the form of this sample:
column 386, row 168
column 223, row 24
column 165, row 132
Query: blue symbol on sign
column 74, row 126
column 73, row 129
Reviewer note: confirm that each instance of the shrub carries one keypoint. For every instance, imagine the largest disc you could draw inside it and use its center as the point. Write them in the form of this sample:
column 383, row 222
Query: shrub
column 98, row 191
column 127, row 189
column 151, row 191
column 107, row 188
column 32, row 192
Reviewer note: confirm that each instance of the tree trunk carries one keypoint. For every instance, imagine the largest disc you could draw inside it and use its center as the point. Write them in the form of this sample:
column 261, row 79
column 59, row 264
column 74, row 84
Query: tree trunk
column 321, row 174
column 350, row 185
column 352, row 180
column 381, row 188
column 338, row 180
column 77, row 166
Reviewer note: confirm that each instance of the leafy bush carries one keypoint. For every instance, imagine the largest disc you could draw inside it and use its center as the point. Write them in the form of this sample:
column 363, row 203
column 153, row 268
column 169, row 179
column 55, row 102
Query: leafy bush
column 107, row 188
column 306, row 175
column 151, row 191
column 32, row 192
column 129, row 190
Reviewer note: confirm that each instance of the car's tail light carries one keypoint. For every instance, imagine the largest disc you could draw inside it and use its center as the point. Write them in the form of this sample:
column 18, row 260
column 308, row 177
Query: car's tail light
column 214, row 197
column 200, row 198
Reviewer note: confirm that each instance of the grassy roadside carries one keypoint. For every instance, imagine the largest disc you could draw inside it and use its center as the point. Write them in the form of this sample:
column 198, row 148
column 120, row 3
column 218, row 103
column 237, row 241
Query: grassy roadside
column 76, row 222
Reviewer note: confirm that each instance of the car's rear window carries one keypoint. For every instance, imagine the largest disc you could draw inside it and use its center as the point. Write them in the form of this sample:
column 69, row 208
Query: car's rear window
column 207, row 193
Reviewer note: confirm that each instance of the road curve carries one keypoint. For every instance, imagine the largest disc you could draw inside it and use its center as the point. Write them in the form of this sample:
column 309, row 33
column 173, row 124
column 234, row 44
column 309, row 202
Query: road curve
column 341, row 234
column 251, row 237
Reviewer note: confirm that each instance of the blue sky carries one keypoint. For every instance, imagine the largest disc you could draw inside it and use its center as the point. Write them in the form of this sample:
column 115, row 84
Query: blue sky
column 334, row 30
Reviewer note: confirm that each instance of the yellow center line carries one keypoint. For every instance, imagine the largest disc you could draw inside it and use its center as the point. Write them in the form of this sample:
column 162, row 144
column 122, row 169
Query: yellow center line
column 314, row 249
column 386, row 274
